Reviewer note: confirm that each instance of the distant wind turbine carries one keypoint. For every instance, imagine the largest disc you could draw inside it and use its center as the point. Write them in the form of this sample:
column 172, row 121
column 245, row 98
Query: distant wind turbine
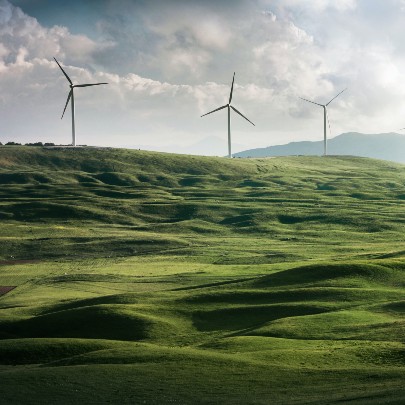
column 325, row 148
column 71, row 98
column 229, row 106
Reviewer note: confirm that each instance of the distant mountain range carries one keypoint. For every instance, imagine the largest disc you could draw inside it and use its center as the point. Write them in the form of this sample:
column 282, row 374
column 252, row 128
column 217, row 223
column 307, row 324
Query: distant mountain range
column 389, row 146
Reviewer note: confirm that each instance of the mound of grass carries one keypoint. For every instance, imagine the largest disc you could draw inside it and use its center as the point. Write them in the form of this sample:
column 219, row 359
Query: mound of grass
column 346, row 325
column 34, row 351
column 117, row 179
column 94, row 322
column 332, row 274
column 244, row 317
column 145, row 277
column 23, row 178
column 340, row 297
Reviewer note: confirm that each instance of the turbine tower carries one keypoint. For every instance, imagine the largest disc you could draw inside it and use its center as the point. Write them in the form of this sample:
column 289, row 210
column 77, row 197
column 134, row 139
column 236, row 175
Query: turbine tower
column 229, row 106
column 72, row 100
column 325, row 146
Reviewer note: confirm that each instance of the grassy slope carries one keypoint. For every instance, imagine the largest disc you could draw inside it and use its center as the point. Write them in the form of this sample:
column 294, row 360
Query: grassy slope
column 161, row 278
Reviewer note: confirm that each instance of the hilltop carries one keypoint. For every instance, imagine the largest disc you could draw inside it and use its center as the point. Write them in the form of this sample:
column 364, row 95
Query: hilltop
column 389, row 146
column 138, row 277
column 176, row 196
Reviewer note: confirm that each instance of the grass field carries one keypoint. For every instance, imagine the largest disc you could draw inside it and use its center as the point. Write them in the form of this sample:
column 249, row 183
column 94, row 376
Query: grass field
column 155, row 278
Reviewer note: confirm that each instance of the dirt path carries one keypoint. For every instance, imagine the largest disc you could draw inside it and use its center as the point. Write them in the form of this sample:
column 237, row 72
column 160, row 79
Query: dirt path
column 5, row 289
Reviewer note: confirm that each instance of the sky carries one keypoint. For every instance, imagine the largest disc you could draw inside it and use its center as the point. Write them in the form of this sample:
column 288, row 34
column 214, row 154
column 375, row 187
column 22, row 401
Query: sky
column 168, row 62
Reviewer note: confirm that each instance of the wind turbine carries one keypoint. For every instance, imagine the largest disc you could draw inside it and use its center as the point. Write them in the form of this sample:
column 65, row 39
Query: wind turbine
column 72, row 103
column 229, row 106
column 324, row 119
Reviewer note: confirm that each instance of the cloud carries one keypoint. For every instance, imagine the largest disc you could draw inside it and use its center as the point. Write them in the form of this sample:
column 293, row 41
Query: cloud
column 322, row 5
column 23, row 36
column 168, row 65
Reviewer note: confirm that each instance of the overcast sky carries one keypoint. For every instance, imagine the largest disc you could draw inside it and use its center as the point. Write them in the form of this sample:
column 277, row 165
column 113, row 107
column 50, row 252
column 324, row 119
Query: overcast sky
column 169, row 61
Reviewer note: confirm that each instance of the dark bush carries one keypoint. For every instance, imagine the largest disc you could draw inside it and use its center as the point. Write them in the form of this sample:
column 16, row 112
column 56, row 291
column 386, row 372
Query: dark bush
column 34, row 144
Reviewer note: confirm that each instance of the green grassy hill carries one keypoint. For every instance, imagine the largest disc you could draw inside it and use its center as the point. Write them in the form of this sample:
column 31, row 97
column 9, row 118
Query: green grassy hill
column 156, row 278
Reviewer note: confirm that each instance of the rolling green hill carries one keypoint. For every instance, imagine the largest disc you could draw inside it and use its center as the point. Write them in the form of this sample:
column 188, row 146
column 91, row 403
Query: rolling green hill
column 155, row 278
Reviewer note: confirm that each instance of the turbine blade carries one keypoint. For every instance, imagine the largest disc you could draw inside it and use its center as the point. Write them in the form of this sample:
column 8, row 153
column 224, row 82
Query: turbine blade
column 220, row 108
column 67, row 102
column 67, row 77
column 234, row 109
column 313, row 102
column 230, row 95
column 87, row 85
column 336, row 96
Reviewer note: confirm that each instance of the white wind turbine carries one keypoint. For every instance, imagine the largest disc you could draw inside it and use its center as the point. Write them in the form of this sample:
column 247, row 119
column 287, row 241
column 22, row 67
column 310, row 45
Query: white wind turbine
column 71, row 98
column 325, row 148
column 229, row 106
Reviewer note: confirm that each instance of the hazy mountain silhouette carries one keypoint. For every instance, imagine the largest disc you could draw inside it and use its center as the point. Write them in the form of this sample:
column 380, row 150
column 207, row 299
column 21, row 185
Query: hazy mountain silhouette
column 389, row 146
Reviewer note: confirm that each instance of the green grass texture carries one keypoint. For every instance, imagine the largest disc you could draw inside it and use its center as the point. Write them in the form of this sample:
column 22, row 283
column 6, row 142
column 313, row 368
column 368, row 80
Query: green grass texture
column 153, row 278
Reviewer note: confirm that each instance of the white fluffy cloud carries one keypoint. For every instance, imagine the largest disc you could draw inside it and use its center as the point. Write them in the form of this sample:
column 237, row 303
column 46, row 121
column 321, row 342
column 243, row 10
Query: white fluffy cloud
column 168, row 65
column 321, row 5
column 23, row 36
